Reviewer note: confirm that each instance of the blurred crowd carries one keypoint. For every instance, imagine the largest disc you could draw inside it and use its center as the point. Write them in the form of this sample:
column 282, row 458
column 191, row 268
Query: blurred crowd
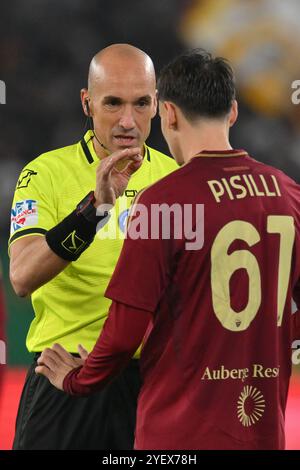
column 45, row 49
column 261, row 38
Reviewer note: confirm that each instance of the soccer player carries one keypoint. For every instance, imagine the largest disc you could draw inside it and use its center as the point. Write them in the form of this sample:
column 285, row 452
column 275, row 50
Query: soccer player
column 56, row 257
column 216, row 361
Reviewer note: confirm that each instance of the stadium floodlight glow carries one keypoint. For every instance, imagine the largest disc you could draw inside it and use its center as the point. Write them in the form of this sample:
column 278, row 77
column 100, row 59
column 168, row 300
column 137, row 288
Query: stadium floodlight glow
column 2, row 92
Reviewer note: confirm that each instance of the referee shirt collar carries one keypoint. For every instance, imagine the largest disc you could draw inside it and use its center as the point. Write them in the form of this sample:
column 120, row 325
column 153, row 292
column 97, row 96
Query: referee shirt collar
column 88, row 147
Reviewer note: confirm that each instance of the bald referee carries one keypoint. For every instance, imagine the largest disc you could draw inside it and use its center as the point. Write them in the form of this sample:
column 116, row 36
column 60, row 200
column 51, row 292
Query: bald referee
column 58, row 258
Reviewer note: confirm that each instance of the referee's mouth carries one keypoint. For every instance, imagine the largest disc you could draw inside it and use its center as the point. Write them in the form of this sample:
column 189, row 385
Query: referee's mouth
column 125, row 140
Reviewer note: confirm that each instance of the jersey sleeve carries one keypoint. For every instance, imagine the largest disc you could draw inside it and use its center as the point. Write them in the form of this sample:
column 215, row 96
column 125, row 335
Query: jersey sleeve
column 33, row 209
column 143, row 269
column 123, row 332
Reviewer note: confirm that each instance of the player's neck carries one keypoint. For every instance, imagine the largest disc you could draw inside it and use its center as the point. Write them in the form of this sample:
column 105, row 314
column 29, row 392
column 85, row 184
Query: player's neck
column 204, row 137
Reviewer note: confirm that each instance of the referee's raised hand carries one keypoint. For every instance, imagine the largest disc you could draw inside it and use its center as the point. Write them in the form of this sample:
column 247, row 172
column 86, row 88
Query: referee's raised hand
column 113, row 174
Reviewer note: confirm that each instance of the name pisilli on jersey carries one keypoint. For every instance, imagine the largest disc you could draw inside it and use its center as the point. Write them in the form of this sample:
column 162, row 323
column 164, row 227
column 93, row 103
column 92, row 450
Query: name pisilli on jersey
column 217, row 361
column 71, row 308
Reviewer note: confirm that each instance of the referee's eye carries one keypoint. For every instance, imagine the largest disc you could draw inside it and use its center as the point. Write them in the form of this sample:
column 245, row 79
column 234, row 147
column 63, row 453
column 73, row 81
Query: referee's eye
column 143, row 102
column 112, row 102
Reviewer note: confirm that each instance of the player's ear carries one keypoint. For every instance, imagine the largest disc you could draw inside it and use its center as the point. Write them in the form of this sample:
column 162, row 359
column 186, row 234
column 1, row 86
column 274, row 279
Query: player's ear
column 171, row 115
column 233, row 113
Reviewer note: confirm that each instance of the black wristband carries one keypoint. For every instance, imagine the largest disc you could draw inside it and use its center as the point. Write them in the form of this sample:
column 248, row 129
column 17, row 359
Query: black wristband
column 72, row 235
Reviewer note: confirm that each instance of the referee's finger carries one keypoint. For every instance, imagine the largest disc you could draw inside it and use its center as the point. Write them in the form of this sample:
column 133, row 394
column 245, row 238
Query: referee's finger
column 133, row 153
column 132, row 167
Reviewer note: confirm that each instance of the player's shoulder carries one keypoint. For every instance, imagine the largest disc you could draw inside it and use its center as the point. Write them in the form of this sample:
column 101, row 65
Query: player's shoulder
column 285, row 180
column 159, row 158
column 48, row 167
column 165, row 189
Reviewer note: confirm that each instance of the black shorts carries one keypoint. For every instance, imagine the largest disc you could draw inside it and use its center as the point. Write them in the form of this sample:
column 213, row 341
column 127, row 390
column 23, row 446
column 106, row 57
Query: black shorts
column 50, row 419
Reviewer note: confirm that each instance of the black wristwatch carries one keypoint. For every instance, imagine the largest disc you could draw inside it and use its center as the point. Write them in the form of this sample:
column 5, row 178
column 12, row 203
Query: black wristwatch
column 87, row 209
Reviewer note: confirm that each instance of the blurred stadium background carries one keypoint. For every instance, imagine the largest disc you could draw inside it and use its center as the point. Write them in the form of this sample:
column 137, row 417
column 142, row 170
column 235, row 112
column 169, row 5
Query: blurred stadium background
column 45, row 49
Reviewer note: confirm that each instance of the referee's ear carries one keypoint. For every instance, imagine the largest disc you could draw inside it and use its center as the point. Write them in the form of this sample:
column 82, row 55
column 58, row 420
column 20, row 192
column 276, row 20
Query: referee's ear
column 84, row 96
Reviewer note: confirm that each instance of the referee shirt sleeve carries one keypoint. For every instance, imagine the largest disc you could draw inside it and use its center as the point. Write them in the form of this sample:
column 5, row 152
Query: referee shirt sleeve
column 33, row 209
column 122, row 333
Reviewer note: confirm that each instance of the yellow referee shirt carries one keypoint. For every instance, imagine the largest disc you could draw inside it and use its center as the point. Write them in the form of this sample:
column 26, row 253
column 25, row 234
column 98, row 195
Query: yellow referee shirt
column 71, row 308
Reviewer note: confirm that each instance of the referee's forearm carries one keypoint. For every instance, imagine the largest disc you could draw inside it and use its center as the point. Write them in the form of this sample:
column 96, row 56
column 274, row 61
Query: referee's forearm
column 33, row 264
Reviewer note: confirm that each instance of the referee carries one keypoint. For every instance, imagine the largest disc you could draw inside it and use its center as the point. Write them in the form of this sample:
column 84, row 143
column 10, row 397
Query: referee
column 58, row 258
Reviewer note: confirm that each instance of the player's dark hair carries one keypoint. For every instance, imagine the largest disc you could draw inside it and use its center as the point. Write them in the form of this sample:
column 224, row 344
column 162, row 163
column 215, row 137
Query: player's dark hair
column 199, row 84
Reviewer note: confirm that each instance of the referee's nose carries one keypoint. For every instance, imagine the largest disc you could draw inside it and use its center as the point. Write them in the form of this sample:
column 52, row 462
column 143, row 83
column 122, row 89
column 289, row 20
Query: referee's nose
column 127, row 119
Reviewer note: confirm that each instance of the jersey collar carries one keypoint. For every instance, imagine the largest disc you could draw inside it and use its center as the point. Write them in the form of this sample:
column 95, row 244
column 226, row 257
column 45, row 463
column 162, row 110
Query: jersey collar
column 222, row 153
column 88, row 148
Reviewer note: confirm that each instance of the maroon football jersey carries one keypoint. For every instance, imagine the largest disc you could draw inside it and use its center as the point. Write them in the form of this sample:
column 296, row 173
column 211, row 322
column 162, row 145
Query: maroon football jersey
column 217, row 359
